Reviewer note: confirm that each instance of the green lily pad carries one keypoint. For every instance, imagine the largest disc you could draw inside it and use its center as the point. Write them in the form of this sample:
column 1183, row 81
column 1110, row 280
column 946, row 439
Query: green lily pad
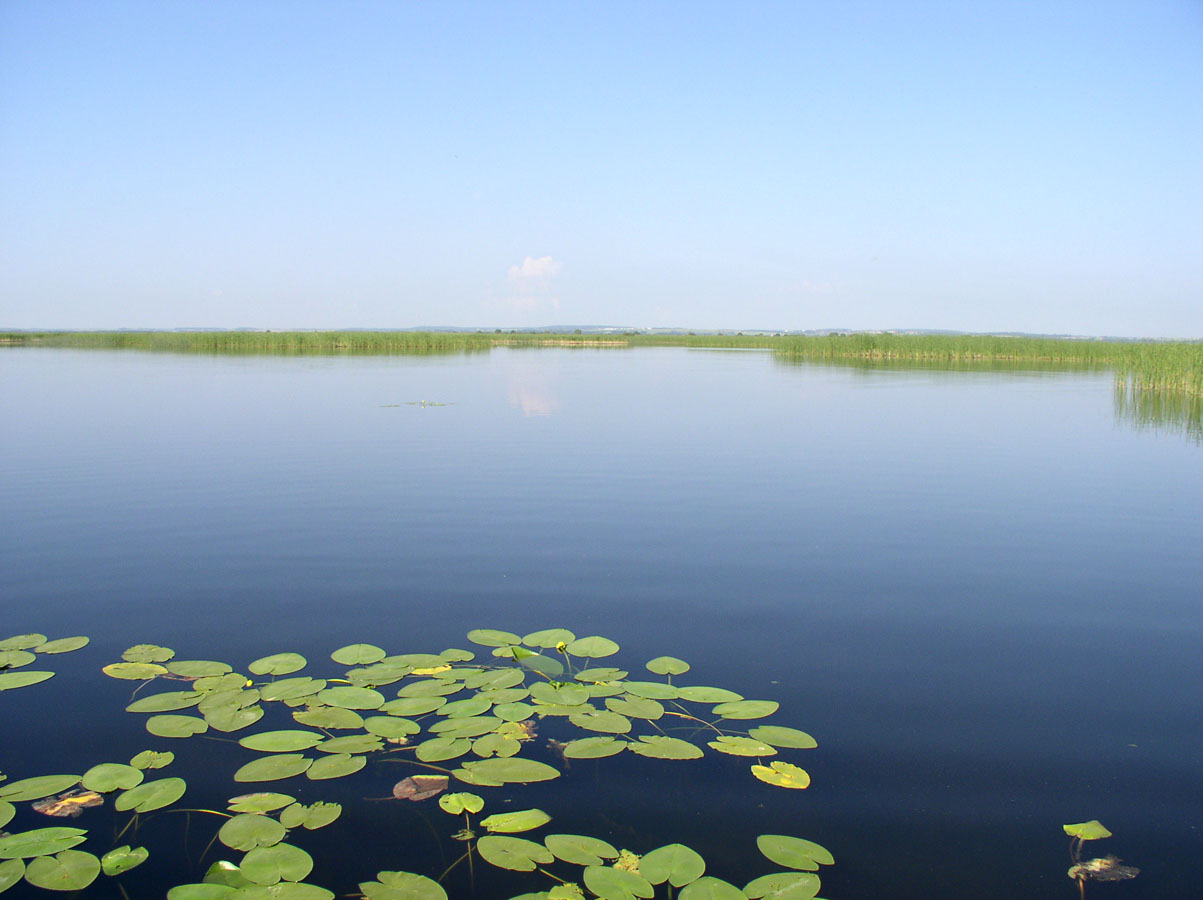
column 37, row 788
column 11, row 871
column 564, row 692
column 652, row 690
column 292, row 688
column 269, row 865
column 286, row 741
column 122, row 859
column 616, row 884
column 1087, row 831
column 15, row 659
column 352, row 743
column 517, row 821
column 273, row 768
column 517, row 854
column 147, row 653
column 579, row 849
column 660, row 747
column 667, row 665
column 544, row 665
column 741, row 746
column 607, row 722
column 26, row 641
column 779, row 736
column 176, row 726
column 40, row 842
column 461, row 802
column 12, row 680
column 746, row 709
column 248, row 831
column 278, row 664
column 197, row 668
column 441, row 748
column 495, row 679
column 330, row 717
column 513, row 770
column 703, row 694
column 495, row 745
column 416, row 660
column 108, row 777
column 335, row 766
column 165, row 702
column 220, row 682
column 402, row 886
column 134, row 671
column 358, row 654
column 793, row 852
column 311, row 817
column 351, row 697
column 489, row 637
column 675, row 863
column 782, row 774
column 151, row 795
column 261, row 802
column 7, row 811
column 69, row 870
column 471, row 727
column 636, row 707
column 513, row 712
column 200, row 892
column 593, row 647
column 63, row 645
column 548, row 638
column 460, row 709
column 783, row 886
column 430, row 687
column 285, row 890
column 412, row 706
column 152, row 759
column 377, row 675
column 601, row 673
column 710, row 888
column 391, row 726
column 593, row 748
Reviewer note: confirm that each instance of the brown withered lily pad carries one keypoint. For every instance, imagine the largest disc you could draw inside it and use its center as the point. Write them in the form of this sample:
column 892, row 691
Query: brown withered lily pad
column 72, row 803
column 420, row 787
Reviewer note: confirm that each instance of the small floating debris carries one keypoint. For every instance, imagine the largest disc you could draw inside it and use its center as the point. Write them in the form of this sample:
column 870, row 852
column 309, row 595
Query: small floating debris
column 1106, row 868
column 72, row 803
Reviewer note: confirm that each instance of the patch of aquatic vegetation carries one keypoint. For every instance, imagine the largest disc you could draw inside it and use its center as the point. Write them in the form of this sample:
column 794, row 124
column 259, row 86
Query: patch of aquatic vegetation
column 1170, row 411
column 455, row 720
column 1106, row 868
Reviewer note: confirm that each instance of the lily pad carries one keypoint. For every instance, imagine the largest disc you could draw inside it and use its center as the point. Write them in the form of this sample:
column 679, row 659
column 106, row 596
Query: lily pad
column 278, row 664
column 147, row 653
column 351, row 697
column 495, row 745
column 616, row 884
column 442, row 748
column 667, row 665
column 333, row 717
column 635, row 707
column 11, row 871
column 199, row 892
column 660, row 747
column 176, row 726
column 783, row 886
column 15, row 659
column 794, row 852
column 461, row 802
column 1087, row 831
column 248, row 831
column 151, row 795
column 607, row 722
column 710, row 888
column 495, row 679
column 548, row 638
column 593, row 647
column 564, row 692
column 391, row 727
column 112, row 776
column 40, row 842
column 63, row 645
column 517, row 821
column 197, row 668
column 69, row 870
column 741, row 746
column 580, row 849
column 352, row 743
column 7, row 811
column 270, row 865
column 601, row 673
column 474, row 726
column 36, row 788
column 513, row 712
column 782, row 774
column 460, row 709
column 489, row 637
column 402, row 886
column 513, row 770
column 593, row 748
column 652, row 690
column 261, row 802
column 292, row 688
column 122, row 859
column 311, row 817
column 517, row 854
column 430, row 687
column 273, row 768
column 746, row 709
column 779, row 736
column 166, row 702
column 152, row 759
column 24, row 641
column 12, row 680
column 412, row 706
column 335, row 766
column 675, row 863
column 287, row 741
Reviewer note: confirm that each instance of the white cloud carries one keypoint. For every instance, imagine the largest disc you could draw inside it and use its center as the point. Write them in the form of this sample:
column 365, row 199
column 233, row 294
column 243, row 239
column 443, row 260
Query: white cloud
column 534, row 269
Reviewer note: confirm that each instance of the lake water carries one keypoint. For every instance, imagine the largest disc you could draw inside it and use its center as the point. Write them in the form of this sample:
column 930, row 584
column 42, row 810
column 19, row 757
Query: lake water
column 981, row 592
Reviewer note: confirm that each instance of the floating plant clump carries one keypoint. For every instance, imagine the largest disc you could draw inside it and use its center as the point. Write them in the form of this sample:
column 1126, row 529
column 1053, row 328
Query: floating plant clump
column 458, row 721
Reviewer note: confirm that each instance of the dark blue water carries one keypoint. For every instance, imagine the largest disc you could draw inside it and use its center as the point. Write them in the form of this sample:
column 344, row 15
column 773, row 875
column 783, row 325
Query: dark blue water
column 981, row 592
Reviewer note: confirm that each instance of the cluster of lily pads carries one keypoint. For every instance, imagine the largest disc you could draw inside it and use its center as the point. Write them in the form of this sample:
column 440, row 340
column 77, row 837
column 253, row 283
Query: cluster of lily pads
column 468, row 719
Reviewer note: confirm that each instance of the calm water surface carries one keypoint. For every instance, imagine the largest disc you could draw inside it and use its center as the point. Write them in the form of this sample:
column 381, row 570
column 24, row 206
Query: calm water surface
column 981, row 592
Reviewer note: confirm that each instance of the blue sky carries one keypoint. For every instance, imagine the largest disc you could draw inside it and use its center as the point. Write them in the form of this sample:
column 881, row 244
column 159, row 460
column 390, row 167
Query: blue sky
column 978, row 166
